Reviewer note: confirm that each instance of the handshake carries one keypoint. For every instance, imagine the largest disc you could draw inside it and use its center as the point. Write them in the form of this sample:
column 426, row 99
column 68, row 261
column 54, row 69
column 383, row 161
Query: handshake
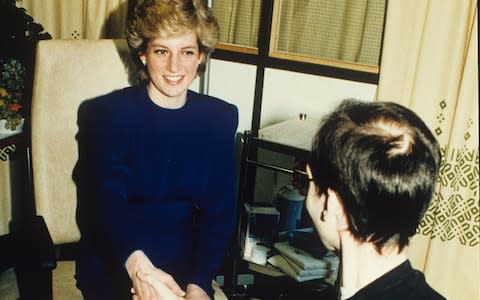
column 151, row 283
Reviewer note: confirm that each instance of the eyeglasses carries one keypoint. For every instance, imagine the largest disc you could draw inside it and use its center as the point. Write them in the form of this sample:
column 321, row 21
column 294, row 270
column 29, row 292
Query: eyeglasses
column 301, row 181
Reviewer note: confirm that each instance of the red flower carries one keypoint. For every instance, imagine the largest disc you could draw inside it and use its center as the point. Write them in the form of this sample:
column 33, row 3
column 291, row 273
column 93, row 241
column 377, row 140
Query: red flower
column 14, row 107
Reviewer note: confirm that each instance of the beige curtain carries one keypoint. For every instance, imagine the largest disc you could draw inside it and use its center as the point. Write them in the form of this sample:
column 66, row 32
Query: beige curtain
column 343, row 30
column 430, row 64
column 239, row 21
column 79, row 19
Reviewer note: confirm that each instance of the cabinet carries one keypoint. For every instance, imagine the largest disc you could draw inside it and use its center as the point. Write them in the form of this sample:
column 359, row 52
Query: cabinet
column 278, row 150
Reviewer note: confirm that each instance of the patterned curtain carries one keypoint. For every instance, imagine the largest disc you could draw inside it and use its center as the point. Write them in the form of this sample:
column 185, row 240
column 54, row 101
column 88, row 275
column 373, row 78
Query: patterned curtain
column 430, row 64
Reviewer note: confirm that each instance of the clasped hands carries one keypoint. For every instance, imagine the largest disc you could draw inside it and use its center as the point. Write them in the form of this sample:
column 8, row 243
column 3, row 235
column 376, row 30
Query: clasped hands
column 151, row 283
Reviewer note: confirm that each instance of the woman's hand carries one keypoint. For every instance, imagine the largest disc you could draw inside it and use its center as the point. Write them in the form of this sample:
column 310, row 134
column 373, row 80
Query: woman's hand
column 138, row 263
column 164, row 285
column 194, row 292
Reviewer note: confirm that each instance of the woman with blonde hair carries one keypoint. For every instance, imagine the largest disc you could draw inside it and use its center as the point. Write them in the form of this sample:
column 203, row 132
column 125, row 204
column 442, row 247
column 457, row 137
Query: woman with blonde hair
column 157, row 165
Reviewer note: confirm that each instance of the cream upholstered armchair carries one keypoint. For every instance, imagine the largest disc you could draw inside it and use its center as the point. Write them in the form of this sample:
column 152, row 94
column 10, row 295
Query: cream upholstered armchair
column 67, row 73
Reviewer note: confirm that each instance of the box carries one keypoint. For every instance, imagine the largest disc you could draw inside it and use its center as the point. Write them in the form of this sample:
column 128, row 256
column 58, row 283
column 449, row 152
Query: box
column 261, row 227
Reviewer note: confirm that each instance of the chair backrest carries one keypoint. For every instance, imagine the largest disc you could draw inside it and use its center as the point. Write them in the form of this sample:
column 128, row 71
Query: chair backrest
column 67, row 72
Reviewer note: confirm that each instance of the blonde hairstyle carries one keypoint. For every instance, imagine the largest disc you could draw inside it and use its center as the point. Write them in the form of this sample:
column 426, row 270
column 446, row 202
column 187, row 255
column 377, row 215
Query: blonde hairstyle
column 167, row 18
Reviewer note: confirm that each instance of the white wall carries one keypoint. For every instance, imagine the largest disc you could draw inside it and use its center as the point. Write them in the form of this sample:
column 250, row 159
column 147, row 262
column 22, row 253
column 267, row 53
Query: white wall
column 285, row 95
column 234, row 83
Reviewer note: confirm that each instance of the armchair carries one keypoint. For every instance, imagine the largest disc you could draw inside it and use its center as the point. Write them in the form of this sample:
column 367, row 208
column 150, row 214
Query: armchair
column 67, row 72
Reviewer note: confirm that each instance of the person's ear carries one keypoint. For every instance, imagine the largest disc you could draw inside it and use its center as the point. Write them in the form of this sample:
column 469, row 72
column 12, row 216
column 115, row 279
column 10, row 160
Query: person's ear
column 335, row 206
column 314, row 201
column 201, row 58
column 322, row 198
column 309, row 172
column 143, row 58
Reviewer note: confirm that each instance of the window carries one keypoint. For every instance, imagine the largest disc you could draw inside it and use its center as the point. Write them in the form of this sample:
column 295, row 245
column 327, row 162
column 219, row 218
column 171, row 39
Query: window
column 343, row 34
column 239, row 22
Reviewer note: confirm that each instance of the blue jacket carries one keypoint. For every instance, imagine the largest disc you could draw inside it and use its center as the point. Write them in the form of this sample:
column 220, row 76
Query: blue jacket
column 159, row 180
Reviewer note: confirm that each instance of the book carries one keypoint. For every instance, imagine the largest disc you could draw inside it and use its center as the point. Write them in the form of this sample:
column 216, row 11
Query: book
column 267, row 269
column 280, row 262
column 301, row 272
column 300, row 257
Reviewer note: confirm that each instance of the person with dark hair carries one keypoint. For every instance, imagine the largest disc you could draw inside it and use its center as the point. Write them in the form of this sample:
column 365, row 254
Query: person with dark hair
column 156, row 166
column 373, row 168
column 372, row 171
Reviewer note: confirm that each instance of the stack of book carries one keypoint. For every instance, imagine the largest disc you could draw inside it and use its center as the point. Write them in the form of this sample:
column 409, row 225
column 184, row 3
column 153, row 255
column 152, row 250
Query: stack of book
column 301, row 265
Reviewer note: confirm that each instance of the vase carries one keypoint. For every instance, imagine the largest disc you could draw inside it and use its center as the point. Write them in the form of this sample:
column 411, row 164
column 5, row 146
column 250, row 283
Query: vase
column 5, row 131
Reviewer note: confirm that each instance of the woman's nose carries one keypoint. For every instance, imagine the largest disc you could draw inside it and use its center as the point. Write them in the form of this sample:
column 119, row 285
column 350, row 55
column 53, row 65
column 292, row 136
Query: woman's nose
column 173, row 63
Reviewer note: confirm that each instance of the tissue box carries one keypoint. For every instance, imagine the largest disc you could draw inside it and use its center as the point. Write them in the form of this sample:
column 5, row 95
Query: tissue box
column 261, row 227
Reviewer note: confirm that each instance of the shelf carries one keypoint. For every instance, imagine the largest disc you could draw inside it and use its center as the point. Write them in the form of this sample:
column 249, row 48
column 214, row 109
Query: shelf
column 292, row 140
column 293, row 133
column 291, row 137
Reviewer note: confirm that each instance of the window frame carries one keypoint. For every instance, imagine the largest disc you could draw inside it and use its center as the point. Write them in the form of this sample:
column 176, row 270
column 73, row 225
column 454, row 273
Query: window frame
column 270, row 11
column 311, row 59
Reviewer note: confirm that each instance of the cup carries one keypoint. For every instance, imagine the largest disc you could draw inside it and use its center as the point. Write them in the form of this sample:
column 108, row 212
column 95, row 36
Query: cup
column 290, row 204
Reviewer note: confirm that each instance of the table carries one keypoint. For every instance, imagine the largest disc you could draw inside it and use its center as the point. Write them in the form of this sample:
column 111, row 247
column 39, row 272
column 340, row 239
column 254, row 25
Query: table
column 15, row 148
column 33, row 268
column 11, row 146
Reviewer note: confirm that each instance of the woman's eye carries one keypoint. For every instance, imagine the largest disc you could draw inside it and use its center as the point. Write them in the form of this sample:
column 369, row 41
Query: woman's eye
column 189, row 52
column 161, row 51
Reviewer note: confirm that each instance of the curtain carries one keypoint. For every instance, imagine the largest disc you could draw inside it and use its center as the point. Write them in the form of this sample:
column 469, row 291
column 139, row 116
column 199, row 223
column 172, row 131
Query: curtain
column 430, row 64
column 342, row 30
column 239, row 21
column 79, row 19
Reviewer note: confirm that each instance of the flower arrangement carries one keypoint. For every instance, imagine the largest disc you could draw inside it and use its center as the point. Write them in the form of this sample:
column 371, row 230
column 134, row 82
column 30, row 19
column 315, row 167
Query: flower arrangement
column 12, row 84
column 19, row 35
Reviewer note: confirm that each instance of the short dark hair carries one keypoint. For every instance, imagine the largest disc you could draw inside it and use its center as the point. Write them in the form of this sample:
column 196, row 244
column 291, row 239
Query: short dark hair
column 383, row 162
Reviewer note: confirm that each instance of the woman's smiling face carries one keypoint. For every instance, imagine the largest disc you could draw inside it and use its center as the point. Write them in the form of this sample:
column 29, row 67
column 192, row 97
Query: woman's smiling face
column 172, row 65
